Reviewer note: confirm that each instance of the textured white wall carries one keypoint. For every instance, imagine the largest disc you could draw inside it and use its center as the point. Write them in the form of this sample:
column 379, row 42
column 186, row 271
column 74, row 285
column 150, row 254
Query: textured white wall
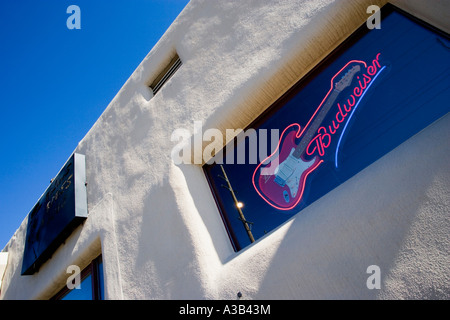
column 157, row 224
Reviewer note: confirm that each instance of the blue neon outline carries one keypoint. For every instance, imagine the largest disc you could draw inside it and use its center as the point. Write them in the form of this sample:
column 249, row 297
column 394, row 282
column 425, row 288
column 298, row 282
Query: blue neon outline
column 349, row 118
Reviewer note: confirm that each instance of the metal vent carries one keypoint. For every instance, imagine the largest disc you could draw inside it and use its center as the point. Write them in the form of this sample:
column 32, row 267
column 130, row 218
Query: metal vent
column 164, row 76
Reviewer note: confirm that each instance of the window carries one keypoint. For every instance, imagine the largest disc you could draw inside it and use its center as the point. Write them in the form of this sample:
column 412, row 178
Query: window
column 165, row 75
column 379, row 88
column 91, row 285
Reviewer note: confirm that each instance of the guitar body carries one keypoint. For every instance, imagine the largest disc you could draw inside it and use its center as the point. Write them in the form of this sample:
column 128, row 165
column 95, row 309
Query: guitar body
column 280, row 179
column 284, row 192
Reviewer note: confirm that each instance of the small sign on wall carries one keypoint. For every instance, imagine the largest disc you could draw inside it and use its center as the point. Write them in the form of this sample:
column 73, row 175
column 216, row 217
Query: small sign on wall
column 61, row 209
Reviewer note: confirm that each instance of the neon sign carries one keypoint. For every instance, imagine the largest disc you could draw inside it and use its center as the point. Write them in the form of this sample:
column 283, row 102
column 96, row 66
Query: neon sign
column 351, row 115
column 281, row 178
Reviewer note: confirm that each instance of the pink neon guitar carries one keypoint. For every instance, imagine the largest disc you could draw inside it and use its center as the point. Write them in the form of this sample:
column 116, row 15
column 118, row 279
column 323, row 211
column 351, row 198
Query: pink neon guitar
column 280, row 179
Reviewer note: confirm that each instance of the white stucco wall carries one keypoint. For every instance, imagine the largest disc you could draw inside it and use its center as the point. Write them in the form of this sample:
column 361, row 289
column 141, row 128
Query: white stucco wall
column 157, row 224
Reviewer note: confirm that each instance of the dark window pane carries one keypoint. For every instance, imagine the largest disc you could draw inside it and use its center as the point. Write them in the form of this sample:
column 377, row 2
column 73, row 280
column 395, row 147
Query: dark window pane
column 84, row 293
column 91, row 287
column 377, row 90
column 101, row 293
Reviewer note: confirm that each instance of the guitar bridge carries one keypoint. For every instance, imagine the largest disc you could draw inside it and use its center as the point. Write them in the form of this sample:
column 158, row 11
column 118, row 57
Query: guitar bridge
column 280, row 181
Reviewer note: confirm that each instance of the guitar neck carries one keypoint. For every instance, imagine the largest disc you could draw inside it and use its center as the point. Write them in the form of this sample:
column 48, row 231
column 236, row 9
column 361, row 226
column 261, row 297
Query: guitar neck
column 312, row 129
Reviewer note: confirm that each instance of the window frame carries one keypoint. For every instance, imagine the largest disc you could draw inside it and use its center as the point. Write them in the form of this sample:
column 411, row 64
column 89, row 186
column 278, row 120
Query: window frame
column 295, row 89
column 94, row 270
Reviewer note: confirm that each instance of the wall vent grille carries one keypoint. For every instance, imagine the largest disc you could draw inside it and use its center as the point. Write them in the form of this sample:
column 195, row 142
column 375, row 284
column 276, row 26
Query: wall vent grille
column 165, row 75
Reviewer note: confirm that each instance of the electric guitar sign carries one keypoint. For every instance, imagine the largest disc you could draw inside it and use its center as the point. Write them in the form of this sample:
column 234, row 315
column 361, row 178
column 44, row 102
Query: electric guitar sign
column 280, row 179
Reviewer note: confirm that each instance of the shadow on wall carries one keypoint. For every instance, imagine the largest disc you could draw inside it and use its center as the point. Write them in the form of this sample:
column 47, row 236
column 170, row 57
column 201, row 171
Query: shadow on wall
column 202, row 197
column 165, row 266
column 394, row 214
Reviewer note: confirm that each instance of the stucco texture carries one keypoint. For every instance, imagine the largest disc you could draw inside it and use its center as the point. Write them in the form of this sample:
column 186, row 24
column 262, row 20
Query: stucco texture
column 157, row 224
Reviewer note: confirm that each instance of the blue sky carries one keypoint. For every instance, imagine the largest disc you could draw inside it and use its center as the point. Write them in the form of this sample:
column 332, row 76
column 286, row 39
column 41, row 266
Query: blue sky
column 56, row 82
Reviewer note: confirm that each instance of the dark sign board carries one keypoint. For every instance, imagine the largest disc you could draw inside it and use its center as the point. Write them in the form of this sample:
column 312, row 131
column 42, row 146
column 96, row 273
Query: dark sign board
column 58, row 212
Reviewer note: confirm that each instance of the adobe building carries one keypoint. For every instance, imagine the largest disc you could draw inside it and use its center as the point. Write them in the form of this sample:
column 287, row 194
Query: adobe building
column 337, row 186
